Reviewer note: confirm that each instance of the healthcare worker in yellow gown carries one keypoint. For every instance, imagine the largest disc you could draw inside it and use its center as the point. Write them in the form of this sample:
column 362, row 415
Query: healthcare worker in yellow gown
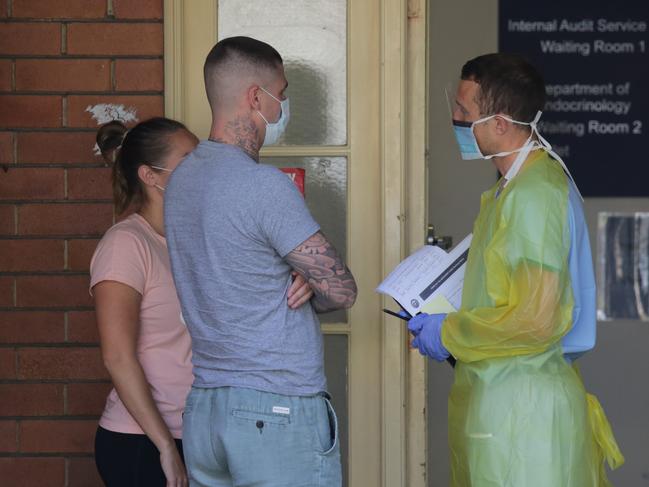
column 518, row 412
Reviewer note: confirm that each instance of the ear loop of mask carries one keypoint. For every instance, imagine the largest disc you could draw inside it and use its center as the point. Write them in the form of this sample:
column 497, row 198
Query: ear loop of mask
column 274, row 98
column 506, row 153
column 529, row 146
column 264, row 118
column 162, row 169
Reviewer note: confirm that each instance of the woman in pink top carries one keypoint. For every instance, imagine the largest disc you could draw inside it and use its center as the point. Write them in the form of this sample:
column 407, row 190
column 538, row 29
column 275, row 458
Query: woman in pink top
column 145, row 346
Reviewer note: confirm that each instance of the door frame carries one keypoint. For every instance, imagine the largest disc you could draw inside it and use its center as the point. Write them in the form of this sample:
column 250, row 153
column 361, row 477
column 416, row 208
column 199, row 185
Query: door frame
column 387, row 204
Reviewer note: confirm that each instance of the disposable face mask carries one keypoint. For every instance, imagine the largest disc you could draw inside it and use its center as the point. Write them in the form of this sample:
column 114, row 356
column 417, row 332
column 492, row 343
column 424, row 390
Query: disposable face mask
column 465, row 136
column 275, row 130
column 466, row 140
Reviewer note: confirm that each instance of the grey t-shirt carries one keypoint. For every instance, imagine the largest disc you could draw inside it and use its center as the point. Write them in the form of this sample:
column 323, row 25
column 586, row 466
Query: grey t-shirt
column 229, row 223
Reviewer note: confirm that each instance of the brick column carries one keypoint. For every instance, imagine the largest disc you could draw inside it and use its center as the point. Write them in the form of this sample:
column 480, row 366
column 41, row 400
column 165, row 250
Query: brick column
column 58, row 60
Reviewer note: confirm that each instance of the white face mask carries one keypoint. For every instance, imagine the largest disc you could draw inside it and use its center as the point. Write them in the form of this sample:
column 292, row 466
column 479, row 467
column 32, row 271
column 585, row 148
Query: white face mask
column 275, row 130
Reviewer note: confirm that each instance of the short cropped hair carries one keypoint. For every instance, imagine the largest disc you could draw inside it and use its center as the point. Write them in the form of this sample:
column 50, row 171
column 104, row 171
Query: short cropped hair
column 234, row 58
column 508, row 84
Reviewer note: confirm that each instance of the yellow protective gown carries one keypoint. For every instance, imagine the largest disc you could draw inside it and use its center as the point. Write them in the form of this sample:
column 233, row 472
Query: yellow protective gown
column 518, row 412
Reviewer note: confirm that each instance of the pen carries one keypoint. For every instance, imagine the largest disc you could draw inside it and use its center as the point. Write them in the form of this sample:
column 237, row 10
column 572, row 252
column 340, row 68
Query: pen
column 396, row 315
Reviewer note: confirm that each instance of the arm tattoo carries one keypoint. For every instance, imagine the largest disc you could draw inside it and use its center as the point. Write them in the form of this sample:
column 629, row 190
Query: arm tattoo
column 331, row 281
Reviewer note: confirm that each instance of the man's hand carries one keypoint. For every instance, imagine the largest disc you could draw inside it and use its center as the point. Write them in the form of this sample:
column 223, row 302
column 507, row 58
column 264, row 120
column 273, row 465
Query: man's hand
column 427, row 330
column 299, row 292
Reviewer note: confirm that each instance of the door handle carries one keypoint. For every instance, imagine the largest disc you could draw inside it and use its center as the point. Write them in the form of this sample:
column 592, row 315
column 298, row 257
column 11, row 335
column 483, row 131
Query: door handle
column 444, row 243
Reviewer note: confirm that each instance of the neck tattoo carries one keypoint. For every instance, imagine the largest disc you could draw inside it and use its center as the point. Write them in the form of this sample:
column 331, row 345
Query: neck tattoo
column 243, row 133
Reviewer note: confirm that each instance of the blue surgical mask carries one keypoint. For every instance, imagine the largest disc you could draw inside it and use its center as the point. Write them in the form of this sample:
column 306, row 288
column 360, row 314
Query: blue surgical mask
column 275, row 130
column 466, row 140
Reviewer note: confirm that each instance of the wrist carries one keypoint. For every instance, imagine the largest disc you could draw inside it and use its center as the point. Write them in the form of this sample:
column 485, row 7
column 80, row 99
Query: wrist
column 165, row 443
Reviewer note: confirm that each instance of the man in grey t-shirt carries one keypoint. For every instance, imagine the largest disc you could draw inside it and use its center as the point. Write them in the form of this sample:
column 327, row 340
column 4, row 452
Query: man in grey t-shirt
column 238, row 231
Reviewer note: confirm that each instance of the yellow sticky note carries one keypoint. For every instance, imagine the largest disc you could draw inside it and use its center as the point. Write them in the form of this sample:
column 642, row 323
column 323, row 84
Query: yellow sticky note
column 439, row 304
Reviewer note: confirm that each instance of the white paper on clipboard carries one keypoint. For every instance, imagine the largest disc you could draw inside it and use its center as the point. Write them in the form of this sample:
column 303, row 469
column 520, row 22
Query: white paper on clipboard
column 426, row 274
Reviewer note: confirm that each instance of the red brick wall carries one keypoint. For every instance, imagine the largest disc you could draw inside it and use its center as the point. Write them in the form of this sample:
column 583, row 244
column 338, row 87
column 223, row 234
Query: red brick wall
column 57, row 57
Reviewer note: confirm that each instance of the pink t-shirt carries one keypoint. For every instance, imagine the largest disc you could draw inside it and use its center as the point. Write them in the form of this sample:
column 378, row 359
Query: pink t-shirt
column 134, row 254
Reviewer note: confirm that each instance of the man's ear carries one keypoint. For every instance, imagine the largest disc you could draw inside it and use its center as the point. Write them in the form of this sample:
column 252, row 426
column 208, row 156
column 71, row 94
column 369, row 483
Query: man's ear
column 146, row 175
column 253, row 97
column 502, row 125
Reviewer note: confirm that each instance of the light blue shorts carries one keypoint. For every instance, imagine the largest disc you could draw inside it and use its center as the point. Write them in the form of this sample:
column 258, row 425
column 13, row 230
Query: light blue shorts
column 238, row 437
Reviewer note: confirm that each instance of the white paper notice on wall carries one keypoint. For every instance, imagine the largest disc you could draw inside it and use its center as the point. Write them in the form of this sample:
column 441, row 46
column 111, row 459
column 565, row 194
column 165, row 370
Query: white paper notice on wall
column 107, row 112
column 623, row 265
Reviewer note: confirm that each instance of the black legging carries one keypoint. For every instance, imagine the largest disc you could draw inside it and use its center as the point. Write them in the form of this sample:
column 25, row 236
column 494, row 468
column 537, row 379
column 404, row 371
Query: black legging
column 128, row 460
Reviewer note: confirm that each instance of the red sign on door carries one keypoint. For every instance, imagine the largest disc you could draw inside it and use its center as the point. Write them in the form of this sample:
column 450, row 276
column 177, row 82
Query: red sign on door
column 296, row 175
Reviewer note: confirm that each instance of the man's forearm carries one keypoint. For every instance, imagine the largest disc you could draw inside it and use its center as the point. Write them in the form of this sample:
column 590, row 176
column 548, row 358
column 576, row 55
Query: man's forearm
column 320, row 264
column 335, row 293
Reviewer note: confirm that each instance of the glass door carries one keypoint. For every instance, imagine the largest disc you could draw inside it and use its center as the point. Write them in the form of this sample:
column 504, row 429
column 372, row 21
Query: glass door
column 312, row 39
column 331, row 59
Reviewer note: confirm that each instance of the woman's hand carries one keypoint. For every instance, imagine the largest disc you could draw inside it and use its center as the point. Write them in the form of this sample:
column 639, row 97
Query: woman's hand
column 299, row 292
column 173, row 466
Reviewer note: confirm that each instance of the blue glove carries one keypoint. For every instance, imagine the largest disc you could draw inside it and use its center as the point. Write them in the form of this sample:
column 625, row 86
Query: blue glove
column 427, row 330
